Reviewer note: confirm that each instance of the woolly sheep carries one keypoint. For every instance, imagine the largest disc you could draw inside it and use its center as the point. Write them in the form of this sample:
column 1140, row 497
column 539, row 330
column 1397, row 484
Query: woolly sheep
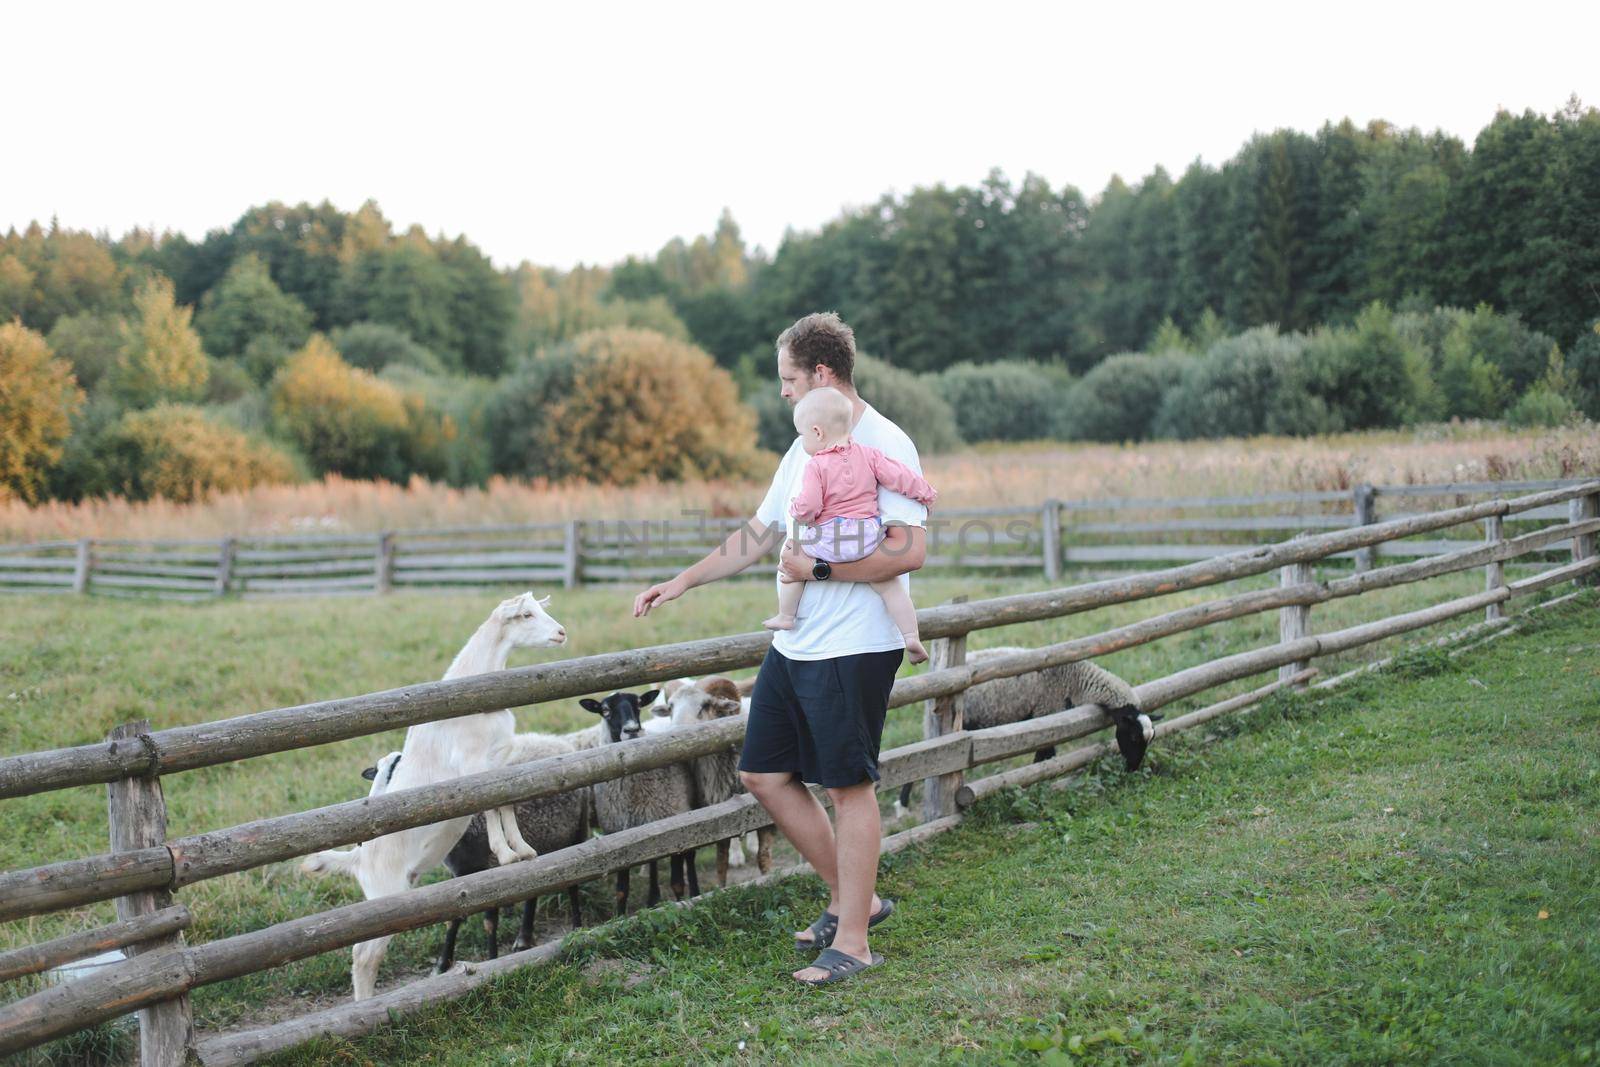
column 547, row 823
column 716, row 776
column 1028, row 696
column 644, row 797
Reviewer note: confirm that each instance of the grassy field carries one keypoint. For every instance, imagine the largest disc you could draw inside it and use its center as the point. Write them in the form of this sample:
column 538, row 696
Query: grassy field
column 973, row 477
column 71, row 669
column 1404, row 870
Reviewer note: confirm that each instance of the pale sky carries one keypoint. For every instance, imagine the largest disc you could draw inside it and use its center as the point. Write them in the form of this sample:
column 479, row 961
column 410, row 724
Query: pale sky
column 585, row 132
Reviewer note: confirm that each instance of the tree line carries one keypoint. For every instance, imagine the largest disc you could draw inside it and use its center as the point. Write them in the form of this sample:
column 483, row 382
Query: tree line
column 1349, row 278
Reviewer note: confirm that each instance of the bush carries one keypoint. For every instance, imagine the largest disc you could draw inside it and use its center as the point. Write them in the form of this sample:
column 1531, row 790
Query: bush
column 618, row 406
column 1583, row 363
column 1506, row 342
column 89, row 341
column 1253, row 383
column 375, row 345
column 451, row 427
column 1541, row 406
column 343, row 419
column 1368, row 377
column 227, row 381
column 38, row 398
column 908, row 400
column 175, row 451
column 1119, row 398
column 1010, row 400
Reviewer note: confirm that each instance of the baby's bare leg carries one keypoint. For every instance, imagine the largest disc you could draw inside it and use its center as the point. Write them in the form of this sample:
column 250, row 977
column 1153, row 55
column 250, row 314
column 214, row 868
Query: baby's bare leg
column 789, row 594
column 904, row 614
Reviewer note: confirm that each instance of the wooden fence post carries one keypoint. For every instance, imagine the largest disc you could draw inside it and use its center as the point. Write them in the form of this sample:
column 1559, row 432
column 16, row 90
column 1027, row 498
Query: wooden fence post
column 225, row 565
column 943, row 715
column 1494, row 572
column 1050, row 521
column 80, row 570
column 572, row 566
column 1294, row 621
column 1579, row 509
column 383, row 572
column 138, row 815
column 1366, row 514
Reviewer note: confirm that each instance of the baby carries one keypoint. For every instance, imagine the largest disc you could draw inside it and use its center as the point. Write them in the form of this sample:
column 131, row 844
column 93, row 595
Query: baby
column 838, row 506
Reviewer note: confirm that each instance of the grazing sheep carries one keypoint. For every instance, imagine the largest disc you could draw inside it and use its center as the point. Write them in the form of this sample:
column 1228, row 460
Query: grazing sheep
column 436, row 752
column 716, row 776
column 637, row 799
column 1038, row 693
column 548, row 823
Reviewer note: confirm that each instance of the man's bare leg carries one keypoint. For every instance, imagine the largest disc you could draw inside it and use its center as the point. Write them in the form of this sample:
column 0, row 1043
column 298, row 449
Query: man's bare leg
column 805, row 823
column 858, row 838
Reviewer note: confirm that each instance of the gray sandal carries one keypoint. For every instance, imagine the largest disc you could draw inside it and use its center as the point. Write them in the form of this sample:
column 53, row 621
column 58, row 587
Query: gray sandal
column 839, row 966
column 826, row 928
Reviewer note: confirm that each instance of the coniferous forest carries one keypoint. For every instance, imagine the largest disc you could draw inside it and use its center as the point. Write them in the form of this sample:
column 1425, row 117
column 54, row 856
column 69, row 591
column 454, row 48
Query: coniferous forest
column 1351, row 278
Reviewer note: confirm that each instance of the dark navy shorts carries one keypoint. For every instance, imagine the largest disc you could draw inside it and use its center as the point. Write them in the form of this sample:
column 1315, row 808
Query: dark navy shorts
column 821, row 719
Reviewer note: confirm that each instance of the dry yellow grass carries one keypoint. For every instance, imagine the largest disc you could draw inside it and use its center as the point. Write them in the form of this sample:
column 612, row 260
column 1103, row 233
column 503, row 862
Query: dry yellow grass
column 975, row 477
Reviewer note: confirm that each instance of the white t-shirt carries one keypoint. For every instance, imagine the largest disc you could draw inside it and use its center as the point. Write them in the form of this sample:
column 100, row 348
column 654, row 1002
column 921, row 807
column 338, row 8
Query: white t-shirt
column 844, row 618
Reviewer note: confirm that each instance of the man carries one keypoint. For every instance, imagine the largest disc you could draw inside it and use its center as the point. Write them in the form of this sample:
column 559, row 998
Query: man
column 817, row 711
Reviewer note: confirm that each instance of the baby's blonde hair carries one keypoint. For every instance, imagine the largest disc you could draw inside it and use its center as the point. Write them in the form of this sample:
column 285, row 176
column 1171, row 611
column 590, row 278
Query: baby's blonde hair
column 825, row 407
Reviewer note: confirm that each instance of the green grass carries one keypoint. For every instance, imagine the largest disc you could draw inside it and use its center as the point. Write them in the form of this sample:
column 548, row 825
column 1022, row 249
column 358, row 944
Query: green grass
column 71, row 669
column 1399, row 871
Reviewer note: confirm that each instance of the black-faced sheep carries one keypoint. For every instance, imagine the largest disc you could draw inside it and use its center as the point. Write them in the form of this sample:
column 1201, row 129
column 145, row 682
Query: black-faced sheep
column 637, row 799
column 1029, row 696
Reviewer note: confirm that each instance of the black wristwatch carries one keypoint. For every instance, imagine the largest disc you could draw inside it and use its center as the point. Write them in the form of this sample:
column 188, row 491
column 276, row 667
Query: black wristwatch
column 821, row 570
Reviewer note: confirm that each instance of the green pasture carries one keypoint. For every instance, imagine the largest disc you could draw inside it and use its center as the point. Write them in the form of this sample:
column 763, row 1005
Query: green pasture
column 70, row 669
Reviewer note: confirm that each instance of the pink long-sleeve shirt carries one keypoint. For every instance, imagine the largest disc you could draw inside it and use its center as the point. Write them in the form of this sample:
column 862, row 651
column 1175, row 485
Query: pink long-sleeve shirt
column 842, row 481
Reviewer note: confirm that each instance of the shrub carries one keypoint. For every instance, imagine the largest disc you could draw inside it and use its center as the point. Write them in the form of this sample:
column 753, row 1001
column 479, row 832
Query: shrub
column 1244, row 385
column 375, row 345
column 620, row 405
column 38, row 398
column 1506, row 342
column 1541, row 406
column 161, row 359
column 1009, row 400
column 175, row 451
column 450, row 428
column 227, row 381
column 908, row 400
column 1119, row 398
column 343, row 419
column 1583, row 363
column 1368, row 377
column 89, row 341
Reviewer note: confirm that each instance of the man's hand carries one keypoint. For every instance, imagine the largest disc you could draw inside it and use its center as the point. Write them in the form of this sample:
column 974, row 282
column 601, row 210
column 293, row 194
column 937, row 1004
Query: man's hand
column 794, row 565
column 658, row 594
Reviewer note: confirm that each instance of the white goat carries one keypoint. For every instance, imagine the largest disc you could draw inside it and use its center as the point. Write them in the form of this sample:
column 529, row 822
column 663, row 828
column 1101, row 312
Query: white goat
column 437, row 751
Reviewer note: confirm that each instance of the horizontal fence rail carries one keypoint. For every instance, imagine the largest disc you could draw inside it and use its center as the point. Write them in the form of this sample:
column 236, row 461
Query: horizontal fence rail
column 162, row 969
column 1008, row 539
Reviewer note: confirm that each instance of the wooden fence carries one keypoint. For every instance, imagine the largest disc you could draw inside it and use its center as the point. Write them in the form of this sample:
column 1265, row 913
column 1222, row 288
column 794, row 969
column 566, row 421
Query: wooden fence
column 1049, row 537
column 144, row 868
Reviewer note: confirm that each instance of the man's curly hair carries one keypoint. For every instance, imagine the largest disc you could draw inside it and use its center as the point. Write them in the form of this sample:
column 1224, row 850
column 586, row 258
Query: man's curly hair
column 821, row 338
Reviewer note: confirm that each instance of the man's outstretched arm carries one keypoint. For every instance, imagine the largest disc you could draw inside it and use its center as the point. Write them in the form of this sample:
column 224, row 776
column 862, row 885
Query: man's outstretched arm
column 743, row 547
column 904, row 549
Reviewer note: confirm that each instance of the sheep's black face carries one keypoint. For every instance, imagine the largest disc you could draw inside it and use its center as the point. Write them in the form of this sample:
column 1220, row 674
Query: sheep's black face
column 621, row 712
column 1134, row 732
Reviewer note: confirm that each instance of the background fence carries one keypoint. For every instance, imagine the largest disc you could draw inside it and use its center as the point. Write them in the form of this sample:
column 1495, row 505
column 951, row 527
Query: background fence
column 144, row 869
column 1054, row 537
